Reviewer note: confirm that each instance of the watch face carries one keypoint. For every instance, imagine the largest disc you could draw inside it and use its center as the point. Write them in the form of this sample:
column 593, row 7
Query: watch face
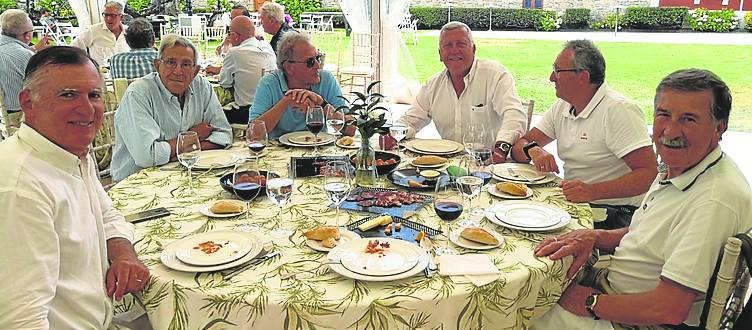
column 590, row 300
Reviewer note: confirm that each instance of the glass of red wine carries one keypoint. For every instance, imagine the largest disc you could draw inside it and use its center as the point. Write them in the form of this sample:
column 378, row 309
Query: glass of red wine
column 315, row 123
column 256, row 137
column 247, row 182
column 448, row 206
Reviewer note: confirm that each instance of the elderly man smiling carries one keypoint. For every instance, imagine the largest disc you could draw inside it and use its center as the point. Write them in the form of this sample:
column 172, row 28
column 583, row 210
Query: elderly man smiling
column 663, row 262
column 157, row 107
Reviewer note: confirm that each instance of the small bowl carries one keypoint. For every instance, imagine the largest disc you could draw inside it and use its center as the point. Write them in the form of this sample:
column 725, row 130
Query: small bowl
column 226, row 182
column 384, row 156
column 430, row 175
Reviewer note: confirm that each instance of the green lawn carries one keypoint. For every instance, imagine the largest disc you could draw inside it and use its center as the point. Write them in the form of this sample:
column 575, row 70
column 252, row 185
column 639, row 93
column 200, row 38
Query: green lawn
column 633, row 69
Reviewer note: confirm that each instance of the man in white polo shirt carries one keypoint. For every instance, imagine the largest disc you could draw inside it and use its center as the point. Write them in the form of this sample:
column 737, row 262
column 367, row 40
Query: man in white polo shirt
column 601, row 136
column 662, row 264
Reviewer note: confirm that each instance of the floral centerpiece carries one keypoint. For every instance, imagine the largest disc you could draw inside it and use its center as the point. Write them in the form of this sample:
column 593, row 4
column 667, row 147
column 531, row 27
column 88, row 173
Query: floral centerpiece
column 369, row 118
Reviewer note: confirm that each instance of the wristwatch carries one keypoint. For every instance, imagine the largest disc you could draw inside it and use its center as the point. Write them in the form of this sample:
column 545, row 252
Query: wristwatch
column 504, row 146
column 526, row 148
column 590, row 302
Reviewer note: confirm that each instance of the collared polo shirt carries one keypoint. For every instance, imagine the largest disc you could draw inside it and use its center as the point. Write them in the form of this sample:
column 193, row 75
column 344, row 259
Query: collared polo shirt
column 133, row 64
column 14, row 55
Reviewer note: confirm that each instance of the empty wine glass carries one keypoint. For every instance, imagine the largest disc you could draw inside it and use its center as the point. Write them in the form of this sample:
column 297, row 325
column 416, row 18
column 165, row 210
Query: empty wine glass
column 335, row 121
column 469, row 186
column 315, row 123
column 398, row 131
column 188, row 150
column 256, row 137
column 337, row 183
column 279, row 189
column 247, row 182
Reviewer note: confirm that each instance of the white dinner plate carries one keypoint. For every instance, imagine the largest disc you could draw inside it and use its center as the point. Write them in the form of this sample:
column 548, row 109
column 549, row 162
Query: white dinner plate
column 345, row 236
column 455, row 238
column 398, row 258
column 298, row 139
column 548, row 178
column 232, row 245
column 216, row 159
column 498, row 193
column 433, row 147
column 206, row 210
column 524, row 209
column 170, row 259
column 335, row 254
column 524, row 172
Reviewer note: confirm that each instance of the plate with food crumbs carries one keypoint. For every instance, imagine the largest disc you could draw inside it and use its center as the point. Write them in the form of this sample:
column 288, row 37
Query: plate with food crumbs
column 329, row 243
column 306, row 139
column 336, row 255
column 213, row 248
column 380, row 257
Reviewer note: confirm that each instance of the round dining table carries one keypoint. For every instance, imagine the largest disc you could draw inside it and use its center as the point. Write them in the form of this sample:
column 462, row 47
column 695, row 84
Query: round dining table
column 297, row 289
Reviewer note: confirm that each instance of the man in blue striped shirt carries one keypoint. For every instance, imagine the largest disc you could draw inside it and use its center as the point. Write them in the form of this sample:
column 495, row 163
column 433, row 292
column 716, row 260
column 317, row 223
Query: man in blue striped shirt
column 139, row 61
column 14, row 55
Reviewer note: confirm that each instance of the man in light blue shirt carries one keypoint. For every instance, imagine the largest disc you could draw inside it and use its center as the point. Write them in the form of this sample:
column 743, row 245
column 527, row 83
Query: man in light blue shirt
column 300, row 83
column 157, row 107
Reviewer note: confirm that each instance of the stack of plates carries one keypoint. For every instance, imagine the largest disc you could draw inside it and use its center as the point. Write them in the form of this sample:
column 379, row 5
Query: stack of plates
column 401, row 260
column 434, row 147
column 527, row 216
column 305, row 139
column 216, row 159
column 522, row 173
column 195, row 254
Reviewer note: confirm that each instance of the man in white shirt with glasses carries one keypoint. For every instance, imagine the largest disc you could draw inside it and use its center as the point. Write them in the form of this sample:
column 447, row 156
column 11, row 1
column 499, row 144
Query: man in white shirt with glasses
column 102, row 40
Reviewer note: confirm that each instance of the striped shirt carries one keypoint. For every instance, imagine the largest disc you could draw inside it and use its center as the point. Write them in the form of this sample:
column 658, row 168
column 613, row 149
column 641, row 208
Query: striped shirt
column 14, row 56
column 133, row 64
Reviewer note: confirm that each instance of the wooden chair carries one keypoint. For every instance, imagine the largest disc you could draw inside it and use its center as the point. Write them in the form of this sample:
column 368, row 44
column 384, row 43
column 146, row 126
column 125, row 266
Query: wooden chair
column 364, row 62
column 530, row 106
column 725, row 297
column 104, row 142
column 9, row 123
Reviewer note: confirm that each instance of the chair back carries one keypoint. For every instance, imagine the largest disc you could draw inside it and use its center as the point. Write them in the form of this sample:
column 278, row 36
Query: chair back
column 104, row 142
column 725, row 297
column 364, row 47
column 530, row 107
column 306, row 22
column 8, row 125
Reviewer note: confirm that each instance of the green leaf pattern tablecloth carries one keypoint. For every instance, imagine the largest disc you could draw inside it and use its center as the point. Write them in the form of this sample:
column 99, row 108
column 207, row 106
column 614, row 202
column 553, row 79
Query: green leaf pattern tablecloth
column 315, row 297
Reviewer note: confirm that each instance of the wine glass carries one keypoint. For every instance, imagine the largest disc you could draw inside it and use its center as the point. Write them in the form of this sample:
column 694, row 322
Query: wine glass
column 448, row 206
column 247, row 182
column 469, row 186
column 335, row 122
column 398, row 132
column 188, row 150
column 256, row 137
column 337, row 183
column 279, row 189
column 315, row 123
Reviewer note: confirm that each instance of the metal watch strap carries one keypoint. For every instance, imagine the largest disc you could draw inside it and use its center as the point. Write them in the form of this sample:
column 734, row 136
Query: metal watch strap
column 590, row 303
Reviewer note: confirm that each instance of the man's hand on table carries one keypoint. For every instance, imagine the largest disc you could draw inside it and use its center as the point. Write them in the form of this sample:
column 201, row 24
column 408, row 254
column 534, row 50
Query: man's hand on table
column 542, row 160
column 577, row 191
column 203, row 130
column 212, row 70
column 573, row 299
column 578, row 243
column 126, row 273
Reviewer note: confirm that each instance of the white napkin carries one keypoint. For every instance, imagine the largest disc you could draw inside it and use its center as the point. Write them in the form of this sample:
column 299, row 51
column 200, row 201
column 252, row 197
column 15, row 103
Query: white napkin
column 474, row 268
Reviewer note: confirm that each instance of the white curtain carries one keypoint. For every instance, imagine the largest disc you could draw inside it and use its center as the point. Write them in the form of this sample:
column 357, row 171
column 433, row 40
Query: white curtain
column 358, row 14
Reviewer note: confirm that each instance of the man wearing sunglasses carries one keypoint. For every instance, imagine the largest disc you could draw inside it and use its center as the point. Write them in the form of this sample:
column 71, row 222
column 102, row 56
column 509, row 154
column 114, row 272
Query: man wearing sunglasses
column 282, row 97
column 243, row 66
column 601, row 137
column 102, row 40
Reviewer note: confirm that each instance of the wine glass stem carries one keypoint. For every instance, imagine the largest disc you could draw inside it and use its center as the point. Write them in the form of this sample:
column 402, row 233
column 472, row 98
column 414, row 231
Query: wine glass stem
column 248, row 211
column 316, row 144
column 190, row 179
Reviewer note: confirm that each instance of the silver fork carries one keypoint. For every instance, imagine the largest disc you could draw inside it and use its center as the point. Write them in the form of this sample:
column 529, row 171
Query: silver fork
column 517, row 175
column 426, row 244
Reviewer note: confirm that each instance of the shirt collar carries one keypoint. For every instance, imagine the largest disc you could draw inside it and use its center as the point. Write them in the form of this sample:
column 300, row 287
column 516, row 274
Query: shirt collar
column 250, row 41
column 594, row 102
column 48, row 151
column 470, row 74
column 143, row 50
column 8, row 40
column 686, row 180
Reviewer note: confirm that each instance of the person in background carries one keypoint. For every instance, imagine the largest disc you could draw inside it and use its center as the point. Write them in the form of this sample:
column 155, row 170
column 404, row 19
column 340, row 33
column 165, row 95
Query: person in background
column 272, row 17
column 237, row 10
column 102, row 40
column 601, row 137
column 139, row 61
column 663, row 262
column 243, row 66
column 468, row 84
column 157, row 107
column 282, row 96
column 58, row 224
column 17, row 31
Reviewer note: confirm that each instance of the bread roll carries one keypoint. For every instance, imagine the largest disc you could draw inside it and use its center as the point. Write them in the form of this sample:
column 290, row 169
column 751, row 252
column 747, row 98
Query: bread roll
column 479, row 235
column 346, row 140
column 322, row 232
column 329, row 242
column 224, row 207
column 429, row 160
column 512, row 188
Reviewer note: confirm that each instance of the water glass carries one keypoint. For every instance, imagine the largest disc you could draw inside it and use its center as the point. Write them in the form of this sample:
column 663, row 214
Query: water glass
column 188, row 151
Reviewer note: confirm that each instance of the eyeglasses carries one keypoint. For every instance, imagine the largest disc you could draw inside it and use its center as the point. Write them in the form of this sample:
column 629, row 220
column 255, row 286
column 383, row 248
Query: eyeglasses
column 558, row 71
column 172, row 64
column 311, row 61
column 108, row 15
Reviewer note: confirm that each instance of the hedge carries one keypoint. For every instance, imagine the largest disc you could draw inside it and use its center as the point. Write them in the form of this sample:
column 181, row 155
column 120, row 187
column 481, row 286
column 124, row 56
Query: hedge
column 608, row 23
column 748, row 21
column 576, row 18
column 655, row 18
column 7, row 4
column 295, row 7
column 713, row 20
column 433, row 18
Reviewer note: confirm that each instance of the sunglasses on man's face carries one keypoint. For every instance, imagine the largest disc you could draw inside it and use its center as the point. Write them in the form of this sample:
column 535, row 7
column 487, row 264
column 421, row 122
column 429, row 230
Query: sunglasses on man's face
column 311, row 61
